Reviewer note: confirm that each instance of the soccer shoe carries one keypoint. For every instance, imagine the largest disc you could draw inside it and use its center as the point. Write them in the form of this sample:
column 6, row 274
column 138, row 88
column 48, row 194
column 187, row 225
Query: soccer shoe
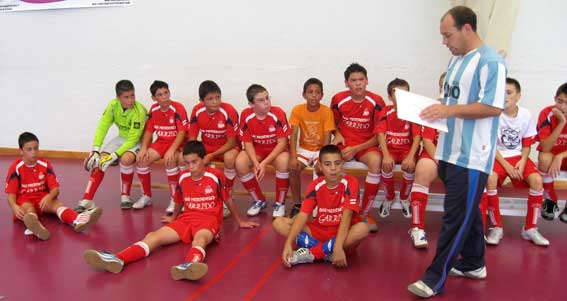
column 494, row 236
column 256, row 208
column 171, row 206
column 189, row 271
column 32, row 223
column 84, row 205
column 103, row 261
column 479, row 273
column 279, row 210
column 371, row 222
column 548, row 209
column 406, row 209
column 385, row 208
column 419, row 288
column 225, row 211
column 418, row 237
column 125, row 202
column 88, row 217
column 563, row 215
column 295, row 210
column 301, row 255
column 142, row 202
column 536, row 237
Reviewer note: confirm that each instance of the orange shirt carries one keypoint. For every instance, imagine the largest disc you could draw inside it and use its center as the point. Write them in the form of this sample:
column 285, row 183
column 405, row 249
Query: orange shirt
column 312, row 125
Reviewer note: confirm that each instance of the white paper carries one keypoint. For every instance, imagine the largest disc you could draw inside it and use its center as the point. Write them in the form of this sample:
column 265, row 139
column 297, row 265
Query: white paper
column 410, row 106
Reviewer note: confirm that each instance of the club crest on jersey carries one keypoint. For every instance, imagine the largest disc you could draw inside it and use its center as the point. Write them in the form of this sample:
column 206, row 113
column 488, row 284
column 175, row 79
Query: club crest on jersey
column 221, row 125
column 272, row 128
column 510, row 138
column 366, row 112
column 406, row 126
column 41, row 176
column 171, row 120
column 208, row 189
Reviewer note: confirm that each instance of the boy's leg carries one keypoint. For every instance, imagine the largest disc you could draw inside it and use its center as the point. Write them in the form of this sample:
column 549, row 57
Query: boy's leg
column 31, row 220
column 496, row 232
column 535, row 197
column 550, row 203
column 282, row 183
column 172, row 172
column 282, row 225
column 373, row 160
column 92, row 186
column 248, row 179
column 144, row 174
column 425, row 173
column 127, row 168
column 229, row 159
column 193, row 268
column 79, row 221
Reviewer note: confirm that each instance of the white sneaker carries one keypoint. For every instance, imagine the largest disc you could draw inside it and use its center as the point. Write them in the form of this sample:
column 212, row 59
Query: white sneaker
column 32, row 223
column 225, row 211
column 88, row 217
column 189, row 271
column 418, row 237
column 494, row 236
column 406, row 209
column 419, row 288
column 256, row 208
column 536, row 237
column 170, row 207
column 385, row 208
column 479, row 273
column 142, row 202
column 279, row 210
column 125, row 202
column 301, row 255
column 101, row 260
column 84, row 205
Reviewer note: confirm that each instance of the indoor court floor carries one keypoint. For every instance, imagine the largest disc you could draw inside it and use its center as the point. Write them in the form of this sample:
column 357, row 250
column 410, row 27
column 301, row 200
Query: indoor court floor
column 246, row 264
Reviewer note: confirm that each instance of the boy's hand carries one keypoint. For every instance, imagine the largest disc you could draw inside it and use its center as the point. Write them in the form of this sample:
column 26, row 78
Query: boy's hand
column 559, row 115
column 286, row 255
column 294, row 164
column 338, row 139
column 142, row 156
column 169, row 157
column 166, row 219
column 408, row 164
column 248, row 224
column 208, row 159
column 521, row 165
column 18, row 212
column 513, row 172
column 260, row 171
column 349, row 152
column 339, row 258
column 555, row 167
column 387, row 163
column 44, row 202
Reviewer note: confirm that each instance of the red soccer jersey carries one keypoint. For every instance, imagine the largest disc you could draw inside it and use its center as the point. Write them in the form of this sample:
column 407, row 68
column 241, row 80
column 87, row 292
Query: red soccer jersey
column 545, row 125
column 399, row 133
column 356, row 121
column 430, row 134
column 331, row 201
column 202, row 198
column 215, row 128
column 263, row 133
column 167, row 124
column 30, row 181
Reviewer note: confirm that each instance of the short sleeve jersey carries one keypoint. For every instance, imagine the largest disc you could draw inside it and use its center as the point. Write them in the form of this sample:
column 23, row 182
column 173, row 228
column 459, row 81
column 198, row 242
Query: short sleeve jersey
column 202, row 199
column 356, row 121
column 331, row 201
column 215, row 128
column 312, row 125
column 399, row 133
column 545, row 125
column 31, row 181
column 167, row 124
column 515, row 133
column 263, row 133
column 429, row 134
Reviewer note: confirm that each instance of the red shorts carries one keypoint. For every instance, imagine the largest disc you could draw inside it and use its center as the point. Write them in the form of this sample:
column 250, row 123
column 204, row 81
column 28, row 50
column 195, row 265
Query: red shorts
column 425, row 155
column 212, row 149
column 35, row 200
column 398, row 156
column 529, row 169
column 161, row 147
column 263, row 153
column 186, row 229
column 361, row 153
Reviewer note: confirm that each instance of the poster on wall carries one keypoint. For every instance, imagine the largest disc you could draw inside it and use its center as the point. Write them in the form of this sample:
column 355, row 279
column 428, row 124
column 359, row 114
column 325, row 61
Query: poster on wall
column 23, row 5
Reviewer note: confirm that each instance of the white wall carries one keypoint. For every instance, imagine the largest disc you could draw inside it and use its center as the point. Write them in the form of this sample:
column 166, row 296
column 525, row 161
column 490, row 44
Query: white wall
column 58, row 68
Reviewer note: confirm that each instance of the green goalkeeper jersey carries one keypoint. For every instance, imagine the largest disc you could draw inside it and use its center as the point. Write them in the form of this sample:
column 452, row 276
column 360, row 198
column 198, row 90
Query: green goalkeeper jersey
column 130, row 124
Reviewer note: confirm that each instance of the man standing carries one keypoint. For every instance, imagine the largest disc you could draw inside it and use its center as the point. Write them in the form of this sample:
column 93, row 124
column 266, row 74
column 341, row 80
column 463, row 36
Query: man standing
column 473, row 100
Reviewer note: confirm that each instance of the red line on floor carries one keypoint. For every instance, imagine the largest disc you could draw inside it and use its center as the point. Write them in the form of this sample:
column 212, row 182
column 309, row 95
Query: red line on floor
column 264, row 278
column 229, row 266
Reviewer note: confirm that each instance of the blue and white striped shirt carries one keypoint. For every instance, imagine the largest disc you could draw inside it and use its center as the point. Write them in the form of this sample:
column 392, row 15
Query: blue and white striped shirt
column 478, row 76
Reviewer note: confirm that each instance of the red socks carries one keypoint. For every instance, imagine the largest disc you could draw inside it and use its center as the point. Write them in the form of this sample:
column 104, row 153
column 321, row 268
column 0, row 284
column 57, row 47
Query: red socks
column 66, row 215
column 406, row 184
column 94, row 181
column 534, row 208
column 371, row 186
column 418, row 197
column 126, row 178
column 172, row 179
column 145, row 179
column 196, row 254
column 134, row 252
column 251, row 184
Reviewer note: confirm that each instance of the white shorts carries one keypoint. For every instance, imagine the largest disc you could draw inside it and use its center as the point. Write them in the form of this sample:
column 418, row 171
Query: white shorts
column 308, row 158
column 116, row 142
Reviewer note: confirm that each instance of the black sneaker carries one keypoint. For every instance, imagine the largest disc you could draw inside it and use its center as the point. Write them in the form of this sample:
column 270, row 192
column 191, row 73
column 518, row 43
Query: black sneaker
column 563, row 215
column 548, row 209
column 295, row 210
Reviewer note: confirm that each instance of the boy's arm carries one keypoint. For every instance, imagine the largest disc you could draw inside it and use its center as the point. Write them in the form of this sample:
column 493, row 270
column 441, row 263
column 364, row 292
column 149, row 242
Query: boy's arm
column 296, row 227
column 339, row 257
column 48, row 198
column 134, row 134
column 16, row 209
column 242, row 224
column 169, row 155
column 104, row 124
column 414, row 146
column 293, row 162
column 548, row 142
column 429, row 147
column 229, row 144
column 280, row 147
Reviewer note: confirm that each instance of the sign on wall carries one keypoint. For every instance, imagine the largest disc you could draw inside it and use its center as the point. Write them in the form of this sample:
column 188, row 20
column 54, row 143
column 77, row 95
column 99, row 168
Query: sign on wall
column 22, row 5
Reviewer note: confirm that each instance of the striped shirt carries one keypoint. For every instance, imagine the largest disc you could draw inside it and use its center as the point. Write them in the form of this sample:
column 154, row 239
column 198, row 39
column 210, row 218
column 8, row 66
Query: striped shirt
column 478, row 76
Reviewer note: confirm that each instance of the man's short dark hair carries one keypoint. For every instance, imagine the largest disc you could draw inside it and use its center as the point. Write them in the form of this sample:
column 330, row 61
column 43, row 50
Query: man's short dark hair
column 462, row 15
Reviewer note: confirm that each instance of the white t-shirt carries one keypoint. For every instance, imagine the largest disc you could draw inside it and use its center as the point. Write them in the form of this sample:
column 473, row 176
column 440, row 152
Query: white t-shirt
column 513, row 131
